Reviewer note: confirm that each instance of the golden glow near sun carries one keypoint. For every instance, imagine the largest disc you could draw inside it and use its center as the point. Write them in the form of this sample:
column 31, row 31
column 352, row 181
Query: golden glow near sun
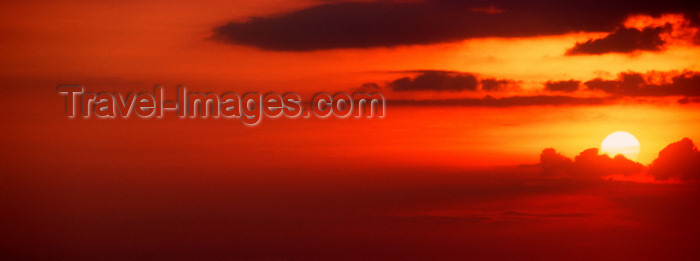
column 621, row 142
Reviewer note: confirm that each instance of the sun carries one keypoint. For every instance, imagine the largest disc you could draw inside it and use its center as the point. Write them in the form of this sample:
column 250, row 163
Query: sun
column 621, row 142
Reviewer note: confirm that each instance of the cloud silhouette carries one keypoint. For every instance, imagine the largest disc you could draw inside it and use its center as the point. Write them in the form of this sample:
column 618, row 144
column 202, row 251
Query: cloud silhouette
column 588, row 164
column 609, row 86
column 632, row 84
column 386, row 24
column 623, row 40
column 628, row 84
column 679, row 160
column 562, row 86
column 511, row 101
column 687, row 100
column 636, row 84
column 368, row 87
column 436, row 81
column 492, row 84
column 554, row 164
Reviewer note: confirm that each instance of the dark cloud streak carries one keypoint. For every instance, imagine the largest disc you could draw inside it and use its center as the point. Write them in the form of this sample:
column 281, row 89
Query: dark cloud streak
column 492, row 84
column 436, row 81
column 387, row 24
column 512, row 101
column 562, row 86
column 679, row 160
column 623, row 40
column 588, row 164
column 636, row 84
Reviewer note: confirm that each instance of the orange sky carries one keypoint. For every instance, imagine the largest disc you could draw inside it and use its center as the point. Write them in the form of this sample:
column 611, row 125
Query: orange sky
column 132, row 46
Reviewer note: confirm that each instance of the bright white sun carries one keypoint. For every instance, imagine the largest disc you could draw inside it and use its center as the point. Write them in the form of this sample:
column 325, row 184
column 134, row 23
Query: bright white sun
column 621, row 142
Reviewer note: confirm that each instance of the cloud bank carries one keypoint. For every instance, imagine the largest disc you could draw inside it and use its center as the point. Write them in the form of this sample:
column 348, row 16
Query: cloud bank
column 678, row 161
column 436, row 81
column 638, row 84
column 622, row 40
column 553, row 93
column 511, row 101
column 562, row 86
column 588, row 164
column 387, row 24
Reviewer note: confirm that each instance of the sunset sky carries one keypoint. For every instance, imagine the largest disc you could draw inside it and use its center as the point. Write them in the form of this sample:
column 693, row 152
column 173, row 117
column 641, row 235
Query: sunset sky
column 475, row 93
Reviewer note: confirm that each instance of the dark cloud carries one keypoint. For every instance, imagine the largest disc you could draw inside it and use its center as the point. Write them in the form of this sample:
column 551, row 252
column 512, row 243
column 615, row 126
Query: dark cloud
column 386, row 24
column 562, row 86
column 368, row 87
column 554, row 164
column 512, row 101
column 636, row 84
column 623, row 40
column 492, row 84
column 602, row 85
column 453, row 81
column 687, row 100
column 628, row 84
column 632, row 84
column 436, row 81
column 679, row 160
column 588, row 164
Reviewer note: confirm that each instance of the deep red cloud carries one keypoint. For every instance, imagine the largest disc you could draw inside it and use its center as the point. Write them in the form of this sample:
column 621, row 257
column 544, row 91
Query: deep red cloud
column 562, row 86
column 679, row 160
column 588, row 164
column 511, row 101
column 492, row 84
column 623, row 40
column 387, row 24
column 636, row 84
column 436, row 81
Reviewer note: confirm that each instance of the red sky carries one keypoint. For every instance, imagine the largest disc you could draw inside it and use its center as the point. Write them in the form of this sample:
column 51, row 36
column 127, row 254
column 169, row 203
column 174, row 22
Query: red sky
column 447, row 174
